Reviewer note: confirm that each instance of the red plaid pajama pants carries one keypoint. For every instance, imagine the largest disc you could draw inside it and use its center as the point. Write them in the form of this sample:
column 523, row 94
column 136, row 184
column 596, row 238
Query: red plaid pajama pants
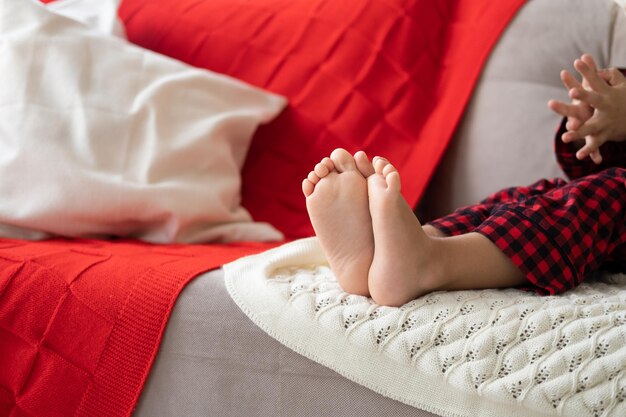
column 555, row 231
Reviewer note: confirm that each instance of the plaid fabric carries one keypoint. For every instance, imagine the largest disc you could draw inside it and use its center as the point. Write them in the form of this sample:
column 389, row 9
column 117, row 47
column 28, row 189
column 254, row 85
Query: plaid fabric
column 554, row 231
column 613, row 155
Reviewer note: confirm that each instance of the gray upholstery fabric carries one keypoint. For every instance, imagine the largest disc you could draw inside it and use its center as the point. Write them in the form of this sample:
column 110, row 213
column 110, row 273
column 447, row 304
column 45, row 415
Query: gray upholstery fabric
column 215, row 362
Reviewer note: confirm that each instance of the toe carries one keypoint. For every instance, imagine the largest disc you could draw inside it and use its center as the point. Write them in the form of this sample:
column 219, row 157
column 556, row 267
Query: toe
column 313, row 177
column 363, row 164
column 307, row 187
column 321, row 170
column 328, row 163
column 393, row 181
column 380, row 164
column 342, row 160
column 388, row 169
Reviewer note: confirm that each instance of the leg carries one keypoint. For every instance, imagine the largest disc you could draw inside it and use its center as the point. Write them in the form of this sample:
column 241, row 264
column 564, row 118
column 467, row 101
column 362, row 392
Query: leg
column 337, row 202
column 559, row 237
column 408, row 262
column 467, row 219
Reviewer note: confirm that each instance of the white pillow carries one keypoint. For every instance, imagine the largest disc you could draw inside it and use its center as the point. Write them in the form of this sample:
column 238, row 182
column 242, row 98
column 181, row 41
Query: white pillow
column 101, row 138
column 99, row 14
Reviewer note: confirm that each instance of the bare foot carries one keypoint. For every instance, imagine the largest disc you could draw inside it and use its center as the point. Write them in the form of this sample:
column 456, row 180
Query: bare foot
column 401, row 269
column 337, row 202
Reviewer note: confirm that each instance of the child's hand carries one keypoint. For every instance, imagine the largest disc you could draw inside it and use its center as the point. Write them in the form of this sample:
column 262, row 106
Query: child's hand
column 578, row 112
column 606, row 94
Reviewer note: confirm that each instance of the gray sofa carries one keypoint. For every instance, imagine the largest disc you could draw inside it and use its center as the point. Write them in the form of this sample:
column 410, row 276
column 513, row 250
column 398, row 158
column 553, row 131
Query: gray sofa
column 214, row 361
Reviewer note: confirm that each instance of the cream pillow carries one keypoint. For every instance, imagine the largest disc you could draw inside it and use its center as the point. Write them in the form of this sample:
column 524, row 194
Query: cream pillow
column 101, row 138
column 99, row 14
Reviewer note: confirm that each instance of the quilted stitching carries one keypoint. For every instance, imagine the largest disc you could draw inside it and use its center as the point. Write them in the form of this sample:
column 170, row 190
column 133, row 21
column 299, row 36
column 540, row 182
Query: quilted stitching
column 80, row 321
column 391, row 77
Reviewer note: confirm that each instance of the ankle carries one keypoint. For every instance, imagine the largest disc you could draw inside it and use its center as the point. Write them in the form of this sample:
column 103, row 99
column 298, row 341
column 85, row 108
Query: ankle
column 432, row 231
column 424, row 276
column 432, row 274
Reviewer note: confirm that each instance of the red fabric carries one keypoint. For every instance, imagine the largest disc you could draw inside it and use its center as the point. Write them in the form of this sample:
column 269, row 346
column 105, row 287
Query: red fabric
column 391, row 77
column 81, row 321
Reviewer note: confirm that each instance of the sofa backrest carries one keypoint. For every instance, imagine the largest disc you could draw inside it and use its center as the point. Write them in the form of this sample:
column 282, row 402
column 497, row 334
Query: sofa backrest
column 506, row 135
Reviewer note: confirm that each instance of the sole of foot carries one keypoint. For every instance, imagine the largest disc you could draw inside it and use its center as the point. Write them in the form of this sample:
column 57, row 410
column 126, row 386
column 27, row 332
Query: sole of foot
column 338, row 206
column 400, row 269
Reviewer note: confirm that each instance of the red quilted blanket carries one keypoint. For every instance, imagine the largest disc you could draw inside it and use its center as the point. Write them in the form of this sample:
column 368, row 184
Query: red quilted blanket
column 81, row 321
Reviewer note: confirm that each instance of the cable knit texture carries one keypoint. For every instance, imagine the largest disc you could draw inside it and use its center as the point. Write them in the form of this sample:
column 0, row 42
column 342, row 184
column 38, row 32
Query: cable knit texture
column 81, row 320
column 464, row 353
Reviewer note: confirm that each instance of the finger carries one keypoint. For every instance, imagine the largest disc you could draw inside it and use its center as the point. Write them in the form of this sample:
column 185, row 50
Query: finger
column 590, row 148
column 588, row 131
column 573, row 123
column 593, row 79
column 570, row 136
column 559, row 107
column 613, row 76
column 588, row 59
column 590, row 97
column 585, row 130
column 567, row 137
column 569, row 81
column 596, row 157
column 564, row 109
column 589, row 151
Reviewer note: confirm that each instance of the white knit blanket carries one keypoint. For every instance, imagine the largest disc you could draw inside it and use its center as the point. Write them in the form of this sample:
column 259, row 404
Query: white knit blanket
column 466, row 353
